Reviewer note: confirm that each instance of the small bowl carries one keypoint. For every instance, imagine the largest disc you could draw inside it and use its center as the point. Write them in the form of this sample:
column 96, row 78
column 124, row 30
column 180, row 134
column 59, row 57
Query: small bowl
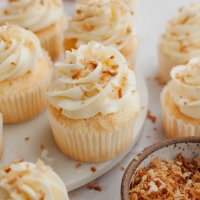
column 167, row 149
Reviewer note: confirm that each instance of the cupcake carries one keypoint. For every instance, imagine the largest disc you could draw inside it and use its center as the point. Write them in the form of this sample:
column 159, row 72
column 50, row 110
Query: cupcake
column 108, row 22
column 25, row 180
column 93, row 103
column 181, row 101
column 43, row 17
column 25, row 73
column 181, row 41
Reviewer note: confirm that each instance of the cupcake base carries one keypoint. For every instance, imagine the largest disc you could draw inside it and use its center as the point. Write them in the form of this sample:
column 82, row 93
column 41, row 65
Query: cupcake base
column 25, row 97
column 96, row 139
column 176, row 124
column 52, row 39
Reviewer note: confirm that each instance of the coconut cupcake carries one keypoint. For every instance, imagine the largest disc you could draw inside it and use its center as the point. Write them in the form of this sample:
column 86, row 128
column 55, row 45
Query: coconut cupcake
column 25, row 73
column 25, row 180
column 44, row 18
column 181, row 101
column 93, row 103
column 181, row 42
column 108, row 22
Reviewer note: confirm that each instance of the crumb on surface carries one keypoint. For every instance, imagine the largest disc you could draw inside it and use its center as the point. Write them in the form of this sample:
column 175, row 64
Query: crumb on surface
column 42, row 146
column 93, row 169
column 78, row 165
column 26, row 138
column 159, row 81
column 151, row 117
column 94, row 186
column 122, row 168
column 45, row 156
column 155, row 128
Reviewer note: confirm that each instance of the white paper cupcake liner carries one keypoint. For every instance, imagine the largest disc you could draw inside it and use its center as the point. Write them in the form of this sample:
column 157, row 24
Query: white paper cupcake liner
column 166, row 63
column 91, row 147
column 176, row 128
column 23, row 106
column 52, row 40
column 130, row 51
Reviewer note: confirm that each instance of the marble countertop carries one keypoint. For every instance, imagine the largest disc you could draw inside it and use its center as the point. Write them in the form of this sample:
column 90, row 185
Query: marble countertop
column 151, row 20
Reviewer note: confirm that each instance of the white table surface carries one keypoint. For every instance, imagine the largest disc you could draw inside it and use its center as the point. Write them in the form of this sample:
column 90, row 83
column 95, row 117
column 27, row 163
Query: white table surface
column 151, row 19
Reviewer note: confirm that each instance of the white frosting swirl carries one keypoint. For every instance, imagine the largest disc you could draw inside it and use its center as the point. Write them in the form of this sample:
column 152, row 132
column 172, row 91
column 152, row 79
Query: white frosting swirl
column 185, row 88
column 93, row 79
column 34, row 15
column 106, row 21
column 19, row 52
column 182, row 38
column 25, row 180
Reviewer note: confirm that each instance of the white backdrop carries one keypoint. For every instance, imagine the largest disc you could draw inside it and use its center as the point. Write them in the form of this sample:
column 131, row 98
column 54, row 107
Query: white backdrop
column 151, row 19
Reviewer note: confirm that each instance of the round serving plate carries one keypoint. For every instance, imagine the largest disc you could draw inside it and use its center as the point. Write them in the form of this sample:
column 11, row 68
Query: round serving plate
column 33, row 140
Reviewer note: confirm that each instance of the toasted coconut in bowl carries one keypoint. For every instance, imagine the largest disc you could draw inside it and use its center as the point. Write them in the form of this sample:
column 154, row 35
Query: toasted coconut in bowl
column 166, row 170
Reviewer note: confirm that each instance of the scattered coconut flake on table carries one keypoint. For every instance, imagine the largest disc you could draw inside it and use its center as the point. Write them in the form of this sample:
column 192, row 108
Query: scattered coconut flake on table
column 45, row 156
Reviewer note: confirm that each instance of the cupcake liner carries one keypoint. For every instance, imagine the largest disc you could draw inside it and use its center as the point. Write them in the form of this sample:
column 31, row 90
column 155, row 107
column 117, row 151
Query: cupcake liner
column 129, row 51
column 90, row 146
column 166, row 63
column 23, row 106
column 1, row 135
column 176, row 128
column 52, row 39
column 26, row 103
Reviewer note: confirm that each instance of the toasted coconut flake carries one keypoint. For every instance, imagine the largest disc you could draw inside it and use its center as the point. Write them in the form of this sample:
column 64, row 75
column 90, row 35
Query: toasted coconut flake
column 167, row 179
column 45, row 156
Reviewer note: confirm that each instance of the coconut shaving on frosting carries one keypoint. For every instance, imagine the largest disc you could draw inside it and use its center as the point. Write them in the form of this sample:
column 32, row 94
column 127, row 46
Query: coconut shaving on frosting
column 106, row 21
column 19, row 52
column 34, row 15
column 93, row 79
column 185, row 88
column 182, row 37
column 25, row 180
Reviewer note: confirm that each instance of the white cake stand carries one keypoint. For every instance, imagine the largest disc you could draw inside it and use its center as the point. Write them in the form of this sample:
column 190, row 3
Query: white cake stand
column 33, row 140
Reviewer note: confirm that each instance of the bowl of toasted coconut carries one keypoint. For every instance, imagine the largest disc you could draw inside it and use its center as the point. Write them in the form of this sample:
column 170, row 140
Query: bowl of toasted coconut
column 169, row 170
